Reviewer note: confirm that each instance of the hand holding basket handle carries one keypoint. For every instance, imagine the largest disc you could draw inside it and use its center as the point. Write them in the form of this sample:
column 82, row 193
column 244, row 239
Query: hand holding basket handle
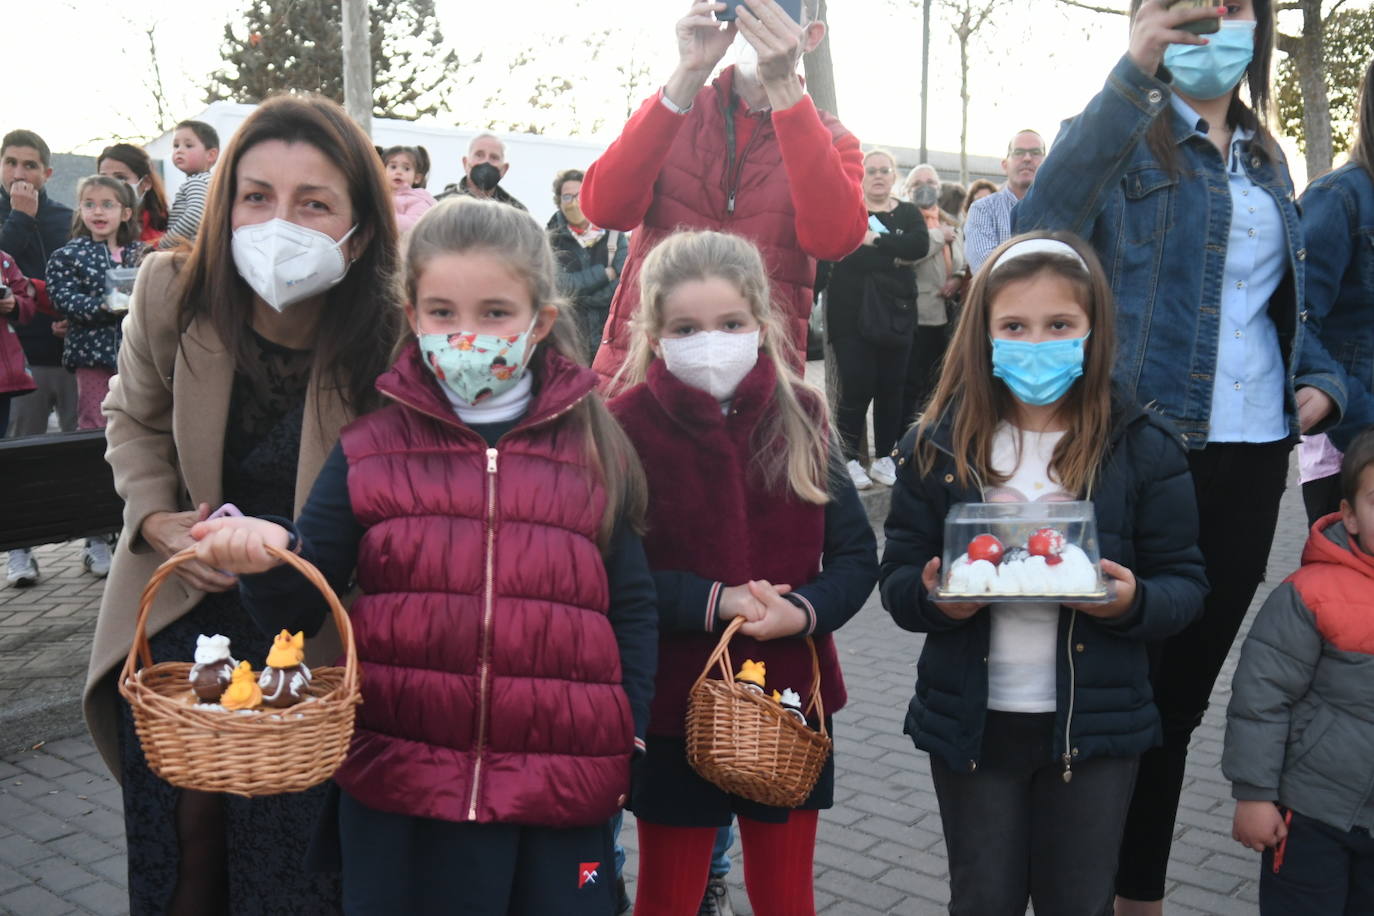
column 747, row 744
column 257, row 752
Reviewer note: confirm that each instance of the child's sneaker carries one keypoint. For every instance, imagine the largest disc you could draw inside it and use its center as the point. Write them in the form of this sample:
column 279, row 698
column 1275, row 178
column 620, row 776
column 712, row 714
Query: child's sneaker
column 884, row 471
column 96, row 557
column 716, row 902
column 856, row 473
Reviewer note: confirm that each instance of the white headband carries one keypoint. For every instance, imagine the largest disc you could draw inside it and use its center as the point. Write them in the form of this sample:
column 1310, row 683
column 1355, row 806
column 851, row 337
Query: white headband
column 1037, row 246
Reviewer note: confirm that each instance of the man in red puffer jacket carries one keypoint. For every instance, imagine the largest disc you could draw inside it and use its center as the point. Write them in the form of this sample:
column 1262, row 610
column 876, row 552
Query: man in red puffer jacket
column 748, row 154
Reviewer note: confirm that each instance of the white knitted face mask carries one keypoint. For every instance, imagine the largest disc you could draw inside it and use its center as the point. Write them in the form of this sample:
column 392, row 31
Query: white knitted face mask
column 712, row 361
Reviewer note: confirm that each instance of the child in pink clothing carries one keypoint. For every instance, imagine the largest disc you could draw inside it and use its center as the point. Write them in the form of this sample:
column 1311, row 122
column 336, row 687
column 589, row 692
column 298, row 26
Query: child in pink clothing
column 407, row 170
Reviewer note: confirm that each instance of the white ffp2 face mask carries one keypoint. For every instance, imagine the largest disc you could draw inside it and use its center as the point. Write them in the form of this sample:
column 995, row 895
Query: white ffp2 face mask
column 712, row 361
column 285, row 262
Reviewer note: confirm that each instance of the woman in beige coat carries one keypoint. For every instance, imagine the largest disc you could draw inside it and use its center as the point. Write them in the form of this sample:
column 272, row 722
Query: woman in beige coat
column 940, row 277
column 237, row 370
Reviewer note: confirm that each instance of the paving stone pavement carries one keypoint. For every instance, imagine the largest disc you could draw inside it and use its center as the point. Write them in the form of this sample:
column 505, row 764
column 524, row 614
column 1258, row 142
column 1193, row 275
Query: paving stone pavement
column 880, row 849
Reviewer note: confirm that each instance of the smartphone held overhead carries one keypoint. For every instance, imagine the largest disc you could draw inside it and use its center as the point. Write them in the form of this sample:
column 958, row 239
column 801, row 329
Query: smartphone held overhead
column 790, row 7
column 1202, row 26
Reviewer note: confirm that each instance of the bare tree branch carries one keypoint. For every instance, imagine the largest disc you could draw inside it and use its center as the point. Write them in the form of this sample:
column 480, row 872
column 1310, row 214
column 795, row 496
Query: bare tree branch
column 1092, row 8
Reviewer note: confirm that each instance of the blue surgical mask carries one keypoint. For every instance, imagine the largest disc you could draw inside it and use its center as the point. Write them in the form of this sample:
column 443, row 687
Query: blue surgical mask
column 1038, row 373
column 1210, row 71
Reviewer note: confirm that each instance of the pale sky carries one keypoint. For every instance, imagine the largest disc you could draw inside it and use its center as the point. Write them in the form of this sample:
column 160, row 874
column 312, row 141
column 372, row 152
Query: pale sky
column 1039, row 63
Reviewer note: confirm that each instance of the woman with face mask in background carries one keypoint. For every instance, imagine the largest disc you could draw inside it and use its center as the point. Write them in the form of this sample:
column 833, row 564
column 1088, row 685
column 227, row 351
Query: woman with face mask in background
column 940, row 278
column 131, row 165
column 242, row 359
column 590, row 259
column 1187, row 200
column 871, row 368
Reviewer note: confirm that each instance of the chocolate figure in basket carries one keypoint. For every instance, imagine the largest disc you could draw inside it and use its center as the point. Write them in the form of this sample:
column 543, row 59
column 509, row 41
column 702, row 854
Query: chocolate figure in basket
column 750, row 516
column 751, row 676
column 1033, row 706
column 505, row 624
column 285, row 678
column 243, row 691
column 213, row 669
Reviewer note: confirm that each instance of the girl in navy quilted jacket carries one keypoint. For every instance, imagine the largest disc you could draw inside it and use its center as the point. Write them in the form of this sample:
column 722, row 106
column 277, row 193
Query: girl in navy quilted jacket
column 104, row 236
column 1035, row 714
column 751, row 514
column 505, row 624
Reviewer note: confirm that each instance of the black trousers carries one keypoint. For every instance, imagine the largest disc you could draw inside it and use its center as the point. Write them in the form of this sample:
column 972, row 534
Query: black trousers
column 1323, row 872
column 1016, row 831
column 1238, row 487
column 923, row 368
column 394, row 863
column 869, row 374
column 1321, row 497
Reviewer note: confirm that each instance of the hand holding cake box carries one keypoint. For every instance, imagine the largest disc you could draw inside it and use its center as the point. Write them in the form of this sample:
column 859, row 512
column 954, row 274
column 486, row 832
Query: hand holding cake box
column 1022, row 552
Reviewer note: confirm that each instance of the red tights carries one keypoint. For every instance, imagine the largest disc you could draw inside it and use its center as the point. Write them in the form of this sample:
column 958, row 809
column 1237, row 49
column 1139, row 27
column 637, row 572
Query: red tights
column 675, row 863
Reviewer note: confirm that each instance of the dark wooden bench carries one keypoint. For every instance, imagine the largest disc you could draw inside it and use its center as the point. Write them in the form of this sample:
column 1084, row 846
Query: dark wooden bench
column 56, row 488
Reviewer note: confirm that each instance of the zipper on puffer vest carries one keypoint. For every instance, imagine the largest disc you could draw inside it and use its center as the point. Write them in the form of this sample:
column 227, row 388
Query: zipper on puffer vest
column 1068, row 720
column 484, row 658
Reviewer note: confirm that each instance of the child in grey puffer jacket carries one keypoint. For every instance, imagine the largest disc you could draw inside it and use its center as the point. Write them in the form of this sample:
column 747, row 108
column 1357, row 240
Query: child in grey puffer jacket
column 1300, row 727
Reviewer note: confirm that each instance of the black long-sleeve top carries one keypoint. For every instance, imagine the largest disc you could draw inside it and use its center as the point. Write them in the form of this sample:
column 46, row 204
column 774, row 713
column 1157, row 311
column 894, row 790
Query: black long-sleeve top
column 907, row 239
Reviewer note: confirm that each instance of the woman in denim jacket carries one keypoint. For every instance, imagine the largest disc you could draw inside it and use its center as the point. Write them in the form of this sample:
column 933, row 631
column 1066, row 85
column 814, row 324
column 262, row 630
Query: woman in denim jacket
column 1189, row 205
column 1338, row 219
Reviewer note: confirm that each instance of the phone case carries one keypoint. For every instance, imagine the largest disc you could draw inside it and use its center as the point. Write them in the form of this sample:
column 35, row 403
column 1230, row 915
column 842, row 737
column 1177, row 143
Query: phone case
column 1202, row 26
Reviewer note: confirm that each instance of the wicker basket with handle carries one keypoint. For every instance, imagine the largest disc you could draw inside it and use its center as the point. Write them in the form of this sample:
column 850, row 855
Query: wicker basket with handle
column 256, row 752
column 748, row 745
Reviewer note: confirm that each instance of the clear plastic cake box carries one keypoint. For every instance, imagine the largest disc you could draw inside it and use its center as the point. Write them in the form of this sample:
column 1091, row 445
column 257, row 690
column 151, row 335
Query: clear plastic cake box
column 119, row 288
column 1022, row 553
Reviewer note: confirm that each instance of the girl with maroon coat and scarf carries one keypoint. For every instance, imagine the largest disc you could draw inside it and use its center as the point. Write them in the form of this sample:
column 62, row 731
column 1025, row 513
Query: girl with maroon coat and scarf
column 747, row 503
column 506, row 621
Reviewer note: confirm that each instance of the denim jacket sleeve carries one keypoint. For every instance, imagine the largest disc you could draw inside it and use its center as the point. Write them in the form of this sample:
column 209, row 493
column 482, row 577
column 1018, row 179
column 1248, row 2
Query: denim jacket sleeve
column 1329, row 223
column 1091, row 153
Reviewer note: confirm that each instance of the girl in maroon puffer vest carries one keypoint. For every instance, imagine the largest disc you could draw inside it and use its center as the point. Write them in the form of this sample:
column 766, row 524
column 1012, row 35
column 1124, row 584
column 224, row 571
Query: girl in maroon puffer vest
column 747, row 503
column 506, row 623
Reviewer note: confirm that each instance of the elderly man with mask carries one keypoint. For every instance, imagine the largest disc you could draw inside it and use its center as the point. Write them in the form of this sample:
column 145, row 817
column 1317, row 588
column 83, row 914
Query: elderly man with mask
column 748, row 153
column 483, row 168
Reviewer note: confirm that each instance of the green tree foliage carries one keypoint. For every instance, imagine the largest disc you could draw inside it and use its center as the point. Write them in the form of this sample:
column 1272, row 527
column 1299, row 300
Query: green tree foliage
column 1348, row 36
column 295, row 45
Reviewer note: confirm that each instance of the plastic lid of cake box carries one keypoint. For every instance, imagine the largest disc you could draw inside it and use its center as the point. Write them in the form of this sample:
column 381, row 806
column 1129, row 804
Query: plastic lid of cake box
column 1022, row 553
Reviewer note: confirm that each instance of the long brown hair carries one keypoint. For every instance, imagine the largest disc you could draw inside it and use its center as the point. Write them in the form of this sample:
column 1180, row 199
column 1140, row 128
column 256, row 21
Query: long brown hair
column 465, row 225
column 361, row 317
column 154, row 202
column 975, row 403
column 792, row 429
column 128, row 228
column 1253, row 117
column 1362, row 151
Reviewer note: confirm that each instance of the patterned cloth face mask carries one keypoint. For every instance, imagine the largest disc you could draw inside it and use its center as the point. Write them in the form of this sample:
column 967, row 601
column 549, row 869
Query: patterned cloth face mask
column 476, row 367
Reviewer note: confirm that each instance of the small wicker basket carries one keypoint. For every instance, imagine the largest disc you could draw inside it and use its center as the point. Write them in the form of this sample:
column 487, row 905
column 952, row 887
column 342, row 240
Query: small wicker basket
column 257, row 752
column 747, row 744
